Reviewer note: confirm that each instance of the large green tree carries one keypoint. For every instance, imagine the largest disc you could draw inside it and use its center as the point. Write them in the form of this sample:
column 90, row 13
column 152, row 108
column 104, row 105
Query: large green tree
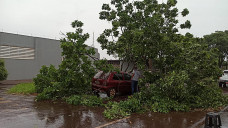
column 3, row 71
column 185, row 68
column 141, row 30
column 218, row 40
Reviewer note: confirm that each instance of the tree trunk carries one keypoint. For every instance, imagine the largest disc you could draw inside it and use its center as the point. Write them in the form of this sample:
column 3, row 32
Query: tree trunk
column 121, row 67
column 127, row 67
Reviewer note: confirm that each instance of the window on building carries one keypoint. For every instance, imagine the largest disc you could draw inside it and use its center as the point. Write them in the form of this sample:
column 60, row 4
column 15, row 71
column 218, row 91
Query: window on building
column 14, row 52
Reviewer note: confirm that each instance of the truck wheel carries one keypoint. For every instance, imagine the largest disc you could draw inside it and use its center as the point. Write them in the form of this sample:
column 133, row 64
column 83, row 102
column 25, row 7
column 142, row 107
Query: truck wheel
column 111, row 92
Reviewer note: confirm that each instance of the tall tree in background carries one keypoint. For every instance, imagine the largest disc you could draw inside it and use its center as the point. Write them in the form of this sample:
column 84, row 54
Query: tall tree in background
column 218, row 40
column 141, row 30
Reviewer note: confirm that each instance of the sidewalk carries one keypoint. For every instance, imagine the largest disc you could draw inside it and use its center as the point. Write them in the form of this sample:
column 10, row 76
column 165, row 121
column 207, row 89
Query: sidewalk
column 224, row 119
column 223, row 115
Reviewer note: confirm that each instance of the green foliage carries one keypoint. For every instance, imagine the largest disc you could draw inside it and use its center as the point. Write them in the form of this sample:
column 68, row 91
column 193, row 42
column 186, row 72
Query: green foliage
column 46, row 78
column 167, row 105
column 144, row 32
column 218, row 40
column 185, row 12
column 155, row 99
column 193, row 57
column 141, row 30
column 23, row 88
column 87, row 100
column 103, row 65
column 114, row 110
column 174, row 85
column 76, row 70
column 3, row 71
column 53, row 92
column 46, row 94
column 209, row 97
column 183, row 69
column 74, row 74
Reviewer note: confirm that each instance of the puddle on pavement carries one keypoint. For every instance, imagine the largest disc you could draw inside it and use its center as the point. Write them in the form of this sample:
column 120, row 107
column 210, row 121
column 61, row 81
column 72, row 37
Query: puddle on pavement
column 68, row 115
column 161, row 120
column 61, row 115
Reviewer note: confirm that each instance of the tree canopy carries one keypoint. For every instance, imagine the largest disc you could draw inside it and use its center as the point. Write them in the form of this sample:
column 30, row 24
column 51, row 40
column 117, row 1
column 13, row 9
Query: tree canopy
column 218, row 40
column 141, row 30
column 184, row 69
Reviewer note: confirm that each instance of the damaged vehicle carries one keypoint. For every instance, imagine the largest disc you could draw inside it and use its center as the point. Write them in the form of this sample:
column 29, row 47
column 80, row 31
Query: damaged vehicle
column 111, row 83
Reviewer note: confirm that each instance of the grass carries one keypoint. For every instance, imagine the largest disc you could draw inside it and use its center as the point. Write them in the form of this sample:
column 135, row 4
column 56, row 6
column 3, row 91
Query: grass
column 23, row 88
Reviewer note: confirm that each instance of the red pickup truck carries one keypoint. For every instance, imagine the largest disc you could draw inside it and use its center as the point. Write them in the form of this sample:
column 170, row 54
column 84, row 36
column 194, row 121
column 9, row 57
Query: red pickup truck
column 111, row 83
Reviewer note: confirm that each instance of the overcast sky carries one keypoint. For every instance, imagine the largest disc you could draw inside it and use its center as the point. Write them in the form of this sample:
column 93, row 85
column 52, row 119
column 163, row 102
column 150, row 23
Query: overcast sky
column 48, row 18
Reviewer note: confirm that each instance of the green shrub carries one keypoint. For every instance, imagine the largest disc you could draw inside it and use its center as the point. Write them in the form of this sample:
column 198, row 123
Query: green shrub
column 46, row 78
column 3, row 71
column 114, row 110
column 44, row 95
column 209, row 97
column 75, row 100
column 174, row 85
column 53, row 92
column 169, row 94
column 23, row 88
column 132, row 104
column 167, row 105
column 86, row 100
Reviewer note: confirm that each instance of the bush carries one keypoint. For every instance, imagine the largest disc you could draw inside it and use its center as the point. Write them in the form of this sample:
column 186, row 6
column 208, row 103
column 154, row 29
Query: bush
column 210, row 96
column 87, row 100
column 3, row 71
column 53, row 92
column 170, row 93
column 114, row 110
column 174, row 85
column 166, row 105
column 46, row 78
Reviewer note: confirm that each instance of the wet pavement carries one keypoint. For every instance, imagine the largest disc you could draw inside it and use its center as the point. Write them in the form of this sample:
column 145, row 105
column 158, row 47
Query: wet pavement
column 19, row 111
